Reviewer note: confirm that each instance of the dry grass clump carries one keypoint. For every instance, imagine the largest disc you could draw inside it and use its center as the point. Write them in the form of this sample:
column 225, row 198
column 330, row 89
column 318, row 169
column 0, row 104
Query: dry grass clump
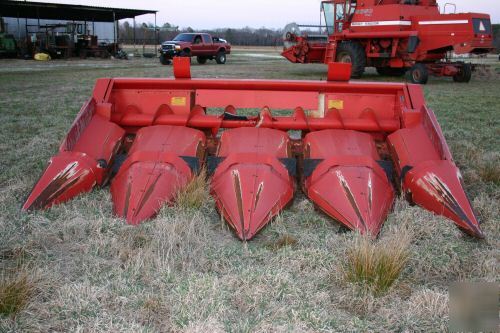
column 175, row 243
column 429, row 303
column 195, row 194
column 284, row 241
column 15, row 293
column 376, row 265
column 489, row 171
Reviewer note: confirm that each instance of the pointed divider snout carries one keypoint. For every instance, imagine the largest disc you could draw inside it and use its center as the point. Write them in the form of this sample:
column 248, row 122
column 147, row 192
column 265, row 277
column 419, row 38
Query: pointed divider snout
column 437, row 187
column 429, row 178
column 147, row 181
column 353, row 190
column 157, row 168
column 67, row 175
column 250, row 189
column 343, row 178
column 250, row 184
column 83, row 162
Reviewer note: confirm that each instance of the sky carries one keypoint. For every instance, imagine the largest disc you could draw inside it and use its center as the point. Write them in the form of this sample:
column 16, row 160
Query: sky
column 205, row 14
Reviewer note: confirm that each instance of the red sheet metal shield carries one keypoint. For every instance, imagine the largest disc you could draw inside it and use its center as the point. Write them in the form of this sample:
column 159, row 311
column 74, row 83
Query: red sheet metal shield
column 251, row 185
column 155, row 170
column 73, row 172
column 348, row 184
column 430, row 181
column 437, row 186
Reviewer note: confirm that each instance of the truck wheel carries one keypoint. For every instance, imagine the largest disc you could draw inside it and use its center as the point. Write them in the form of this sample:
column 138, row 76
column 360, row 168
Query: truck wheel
column 418, row 74
column 220, row 58
column 389, row 71
column 201, row 60
column 186, row 54
column 354, row 53
column 164, row 60
column 464, row 74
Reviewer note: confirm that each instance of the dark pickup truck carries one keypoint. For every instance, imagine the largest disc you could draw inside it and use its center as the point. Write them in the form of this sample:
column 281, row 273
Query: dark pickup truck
column 200, row 45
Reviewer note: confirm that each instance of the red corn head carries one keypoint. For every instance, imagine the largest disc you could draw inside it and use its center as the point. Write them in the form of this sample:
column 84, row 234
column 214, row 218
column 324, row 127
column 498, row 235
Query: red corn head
column 347, row 183
column 254, row 174
column 251, row 185
column 160, row 163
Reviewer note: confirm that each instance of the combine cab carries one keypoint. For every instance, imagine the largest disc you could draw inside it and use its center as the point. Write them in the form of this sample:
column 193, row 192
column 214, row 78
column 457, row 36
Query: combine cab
column 395, row 37
column 351, row 147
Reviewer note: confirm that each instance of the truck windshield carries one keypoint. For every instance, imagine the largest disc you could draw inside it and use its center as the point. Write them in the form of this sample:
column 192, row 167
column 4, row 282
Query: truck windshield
column 184, row 38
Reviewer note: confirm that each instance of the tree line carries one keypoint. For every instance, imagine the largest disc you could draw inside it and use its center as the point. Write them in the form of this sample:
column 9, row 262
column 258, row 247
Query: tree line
column 145, row 34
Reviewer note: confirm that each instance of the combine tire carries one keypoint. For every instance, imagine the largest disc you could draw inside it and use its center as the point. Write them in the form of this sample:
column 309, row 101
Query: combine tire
column 201, row 60
column 220, row 58
column 418, row 74
column 464, row 74
column 354, row 53
column 164, row 60
column 389, row 71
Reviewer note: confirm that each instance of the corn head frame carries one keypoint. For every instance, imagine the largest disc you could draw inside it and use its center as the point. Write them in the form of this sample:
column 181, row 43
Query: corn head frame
column 350, row 146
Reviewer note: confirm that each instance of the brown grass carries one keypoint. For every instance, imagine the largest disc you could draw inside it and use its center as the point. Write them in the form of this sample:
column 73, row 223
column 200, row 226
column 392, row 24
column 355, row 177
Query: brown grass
column 376, row 265
column 489, row 171
column 195, row 194
column 284, row 241
column 15, row 293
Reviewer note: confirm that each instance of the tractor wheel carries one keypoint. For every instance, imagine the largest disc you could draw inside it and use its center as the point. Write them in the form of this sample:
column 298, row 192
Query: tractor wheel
column 201, row 60
column 164, row 60
column 354, row 53
column 418, row 74
column 390, row 71
column 220, row 58
column 83, row 54
column 464, row 74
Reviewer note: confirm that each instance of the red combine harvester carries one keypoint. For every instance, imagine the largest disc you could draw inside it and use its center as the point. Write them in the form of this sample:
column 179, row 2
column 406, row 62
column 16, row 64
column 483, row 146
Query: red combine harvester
column 360, row 144
column 395, row 37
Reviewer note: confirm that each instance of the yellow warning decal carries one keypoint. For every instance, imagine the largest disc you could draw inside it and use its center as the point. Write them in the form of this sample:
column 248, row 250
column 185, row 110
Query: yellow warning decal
column 178, row 101
column 336, row 104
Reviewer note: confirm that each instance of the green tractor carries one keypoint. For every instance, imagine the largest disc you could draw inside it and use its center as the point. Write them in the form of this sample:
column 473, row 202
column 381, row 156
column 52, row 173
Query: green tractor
column 8, row 45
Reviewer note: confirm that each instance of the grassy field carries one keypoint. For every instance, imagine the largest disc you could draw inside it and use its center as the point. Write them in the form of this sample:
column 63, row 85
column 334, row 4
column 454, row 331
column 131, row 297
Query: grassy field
column 76, row 268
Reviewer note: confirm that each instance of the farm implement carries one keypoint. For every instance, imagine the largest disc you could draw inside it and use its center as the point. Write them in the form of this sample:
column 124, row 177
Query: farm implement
column 395, row 37
column 351, row 147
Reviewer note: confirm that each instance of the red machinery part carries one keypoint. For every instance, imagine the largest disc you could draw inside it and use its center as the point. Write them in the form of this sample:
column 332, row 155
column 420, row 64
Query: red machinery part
column 394, row 36
column 155, row 170
column 83, row 161
column 355, row 132
column 430, row 181
column 251, row 185
column 348, row 183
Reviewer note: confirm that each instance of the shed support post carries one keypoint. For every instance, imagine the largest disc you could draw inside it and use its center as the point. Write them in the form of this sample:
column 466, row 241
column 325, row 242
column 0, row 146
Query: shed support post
column 114, row 31
column 135, row 49
column 156, row 39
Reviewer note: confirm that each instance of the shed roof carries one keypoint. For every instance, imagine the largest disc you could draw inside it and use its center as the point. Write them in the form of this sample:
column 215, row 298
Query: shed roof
column 54, row 11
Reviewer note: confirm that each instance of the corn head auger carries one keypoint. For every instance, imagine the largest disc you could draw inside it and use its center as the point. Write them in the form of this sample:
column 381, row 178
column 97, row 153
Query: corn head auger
column 350, row 146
